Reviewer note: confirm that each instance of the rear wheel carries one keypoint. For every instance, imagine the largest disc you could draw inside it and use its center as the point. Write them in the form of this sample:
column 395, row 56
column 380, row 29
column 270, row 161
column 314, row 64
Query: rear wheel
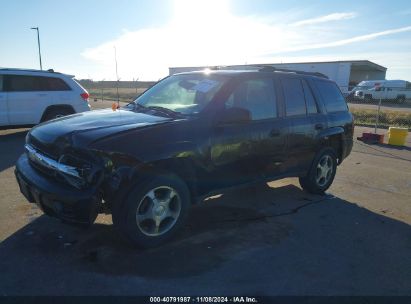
column 401, row 99
column 153, row 211
column 56, row 113
column 368, row 98
column 322, row 172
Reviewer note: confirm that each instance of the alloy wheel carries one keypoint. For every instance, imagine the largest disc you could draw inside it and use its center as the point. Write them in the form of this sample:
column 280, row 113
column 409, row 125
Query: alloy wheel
column 158, row 211
column 325, row 169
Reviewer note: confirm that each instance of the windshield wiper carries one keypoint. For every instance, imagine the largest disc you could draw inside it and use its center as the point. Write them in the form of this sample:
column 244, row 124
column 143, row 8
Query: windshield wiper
column 166, row 111
column 137, row 105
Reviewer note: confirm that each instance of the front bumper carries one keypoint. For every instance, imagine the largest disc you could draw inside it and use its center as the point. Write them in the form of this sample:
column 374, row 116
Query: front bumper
column 54, row 198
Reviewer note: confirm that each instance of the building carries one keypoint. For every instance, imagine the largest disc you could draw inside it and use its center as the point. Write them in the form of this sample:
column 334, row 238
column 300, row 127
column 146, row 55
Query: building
column 346, row 74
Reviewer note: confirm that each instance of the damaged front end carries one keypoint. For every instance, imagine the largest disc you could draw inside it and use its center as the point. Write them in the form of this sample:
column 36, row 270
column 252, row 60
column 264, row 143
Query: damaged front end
column 76, row 186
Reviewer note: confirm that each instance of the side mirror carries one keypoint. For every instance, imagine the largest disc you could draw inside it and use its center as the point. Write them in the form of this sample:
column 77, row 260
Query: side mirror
column 235, row 115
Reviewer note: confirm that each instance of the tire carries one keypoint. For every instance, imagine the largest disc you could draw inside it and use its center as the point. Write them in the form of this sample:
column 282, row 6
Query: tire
column 368, row 98
column 56, row 113
column 401, row 99
column 152, row 211
column 319, row 178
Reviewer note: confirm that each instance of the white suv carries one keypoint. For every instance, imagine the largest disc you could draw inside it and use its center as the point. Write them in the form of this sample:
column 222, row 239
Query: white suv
column 28, row 97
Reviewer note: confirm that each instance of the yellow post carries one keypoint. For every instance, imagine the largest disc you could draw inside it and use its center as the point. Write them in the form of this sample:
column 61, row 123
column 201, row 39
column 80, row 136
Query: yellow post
column 397, row 136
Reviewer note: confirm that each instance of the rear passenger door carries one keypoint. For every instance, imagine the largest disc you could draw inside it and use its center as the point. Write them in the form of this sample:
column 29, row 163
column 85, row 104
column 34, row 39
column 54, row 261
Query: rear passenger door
column 335, row 106
column 3, row 104
column 26, row 98
column 305, row 121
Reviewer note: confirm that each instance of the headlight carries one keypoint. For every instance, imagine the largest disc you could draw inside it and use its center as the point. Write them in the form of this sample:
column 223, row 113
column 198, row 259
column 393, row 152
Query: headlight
column 74, row 170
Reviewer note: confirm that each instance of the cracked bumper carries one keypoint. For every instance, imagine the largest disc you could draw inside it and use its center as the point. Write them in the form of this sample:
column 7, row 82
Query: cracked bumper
column 55, row 199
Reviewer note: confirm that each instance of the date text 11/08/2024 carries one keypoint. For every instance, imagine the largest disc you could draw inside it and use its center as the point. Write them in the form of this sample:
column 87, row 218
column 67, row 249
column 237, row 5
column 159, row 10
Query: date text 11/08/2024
column 203, row 300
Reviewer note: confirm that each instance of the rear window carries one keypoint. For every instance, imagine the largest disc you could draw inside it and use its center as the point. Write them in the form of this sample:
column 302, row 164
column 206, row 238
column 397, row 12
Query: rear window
column 331, row 94
column 309, row 99
column 294, row 97
column 55, row 84
column 25, row 83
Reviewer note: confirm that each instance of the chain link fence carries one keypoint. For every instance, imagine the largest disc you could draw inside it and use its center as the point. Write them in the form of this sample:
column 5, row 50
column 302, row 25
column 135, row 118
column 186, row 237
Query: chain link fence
column 123, row 91
column 380, row 107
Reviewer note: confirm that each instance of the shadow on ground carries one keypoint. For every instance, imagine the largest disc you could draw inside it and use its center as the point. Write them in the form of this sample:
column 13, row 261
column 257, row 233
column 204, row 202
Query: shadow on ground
column 261, row 239
column 11, row 147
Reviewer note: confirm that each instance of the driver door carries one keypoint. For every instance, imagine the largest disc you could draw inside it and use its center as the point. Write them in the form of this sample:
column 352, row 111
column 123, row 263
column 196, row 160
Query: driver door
column 242, row 152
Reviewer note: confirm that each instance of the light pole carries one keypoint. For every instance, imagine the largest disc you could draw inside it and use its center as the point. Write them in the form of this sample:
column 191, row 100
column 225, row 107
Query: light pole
column 38, row 42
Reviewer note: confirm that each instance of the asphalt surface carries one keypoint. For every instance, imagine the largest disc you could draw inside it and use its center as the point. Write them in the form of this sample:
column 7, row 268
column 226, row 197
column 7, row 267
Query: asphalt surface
column 269, row 239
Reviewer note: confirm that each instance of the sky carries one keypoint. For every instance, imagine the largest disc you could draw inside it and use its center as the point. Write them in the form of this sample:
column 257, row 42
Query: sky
column 81, row 37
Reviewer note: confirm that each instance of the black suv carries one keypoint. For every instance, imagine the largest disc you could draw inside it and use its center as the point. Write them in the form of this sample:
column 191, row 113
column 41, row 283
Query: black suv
column 190, row 135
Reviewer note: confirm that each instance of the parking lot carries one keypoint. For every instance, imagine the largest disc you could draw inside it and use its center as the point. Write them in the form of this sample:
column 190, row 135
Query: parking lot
column 269, row 239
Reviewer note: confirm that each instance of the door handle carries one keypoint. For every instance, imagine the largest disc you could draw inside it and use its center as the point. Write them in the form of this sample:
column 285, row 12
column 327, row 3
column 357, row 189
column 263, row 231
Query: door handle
column 275, row 133
column 319, row 126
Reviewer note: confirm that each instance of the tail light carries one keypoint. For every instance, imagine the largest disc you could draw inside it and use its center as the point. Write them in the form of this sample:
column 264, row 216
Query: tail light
column 85, row 96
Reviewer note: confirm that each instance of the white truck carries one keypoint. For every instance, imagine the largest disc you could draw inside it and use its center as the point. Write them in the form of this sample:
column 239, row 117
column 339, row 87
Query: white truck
column 389, row 90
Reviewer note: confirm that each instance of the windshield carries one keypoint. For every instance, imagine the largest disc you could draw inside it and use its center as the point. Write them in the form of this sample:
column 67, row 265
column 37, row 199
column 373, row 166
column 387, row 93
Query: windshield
column 186, row 94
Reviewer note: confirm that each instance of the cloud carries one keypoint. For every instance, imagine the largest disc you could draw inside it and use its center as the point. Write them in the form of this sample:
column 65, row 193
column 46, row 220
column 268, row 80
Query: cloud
column 205, row 33
column 355, row 39
column 202, row 33
column 326, row 18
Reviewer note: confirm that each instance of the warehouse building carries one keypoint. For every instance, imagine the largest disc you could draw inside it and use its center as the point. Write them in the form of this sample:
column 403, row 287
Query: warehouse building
column 346, row 74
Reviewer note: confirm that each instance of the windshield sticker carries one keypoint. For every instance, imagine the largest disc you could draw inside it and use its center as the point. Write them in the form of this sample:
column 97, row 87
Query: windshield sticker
column 205, row 86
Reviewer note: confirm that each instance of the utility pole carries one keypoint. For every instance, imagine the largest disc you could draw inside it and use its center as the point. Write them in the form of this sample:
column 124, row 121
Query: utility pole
column 102, row 89
column 38, row 42
column 115, row 58
column 136, row 82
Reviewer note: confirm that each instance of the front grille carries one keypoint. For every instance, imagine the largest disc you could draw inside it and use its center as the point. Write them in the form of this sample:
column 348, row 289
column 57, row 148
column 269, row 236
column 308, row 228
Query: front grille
column 61, row 171
column 47, row 150
column 45, row 170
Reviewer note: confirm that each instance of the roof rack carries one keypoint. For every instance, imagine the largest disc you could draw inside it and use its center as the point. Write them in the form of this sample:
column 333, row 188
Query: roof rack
column 29, row 70
column 267, row 68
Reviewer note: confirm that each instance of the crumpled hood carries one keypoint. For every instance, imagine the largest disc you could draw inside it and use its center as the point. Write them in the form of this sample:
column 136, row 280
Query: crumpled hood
column 85, row 128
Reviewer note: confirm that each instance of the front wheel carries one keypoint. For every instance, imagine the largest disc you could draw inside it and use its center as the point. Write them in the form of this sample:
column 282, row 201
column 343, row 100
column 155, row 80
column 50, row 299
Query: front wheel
column 153, row 211
column 322, row 172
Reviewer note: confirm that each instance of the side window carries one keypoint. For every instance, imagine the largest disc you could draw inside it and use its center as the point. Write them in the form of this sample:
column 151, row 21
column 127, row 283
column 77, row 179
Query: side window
column 333, row 99
column 54, row 84
column 25, row 83
column 309, row 99
column 294, row 96
column 257, row 96
column 1, row 83
column 20, row 83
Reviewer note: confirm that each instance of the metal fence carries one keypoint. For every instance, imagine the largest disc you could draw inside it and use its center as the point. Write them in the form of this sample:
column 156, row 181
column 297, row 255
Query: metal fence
column 111, row 94
column 380, row 107
column 125, row 91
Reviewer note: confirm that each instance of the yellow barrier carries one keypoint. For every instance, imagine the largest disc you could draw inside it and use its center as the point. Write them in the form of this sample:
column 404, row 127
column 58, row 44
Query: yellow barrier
column 397, row 136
